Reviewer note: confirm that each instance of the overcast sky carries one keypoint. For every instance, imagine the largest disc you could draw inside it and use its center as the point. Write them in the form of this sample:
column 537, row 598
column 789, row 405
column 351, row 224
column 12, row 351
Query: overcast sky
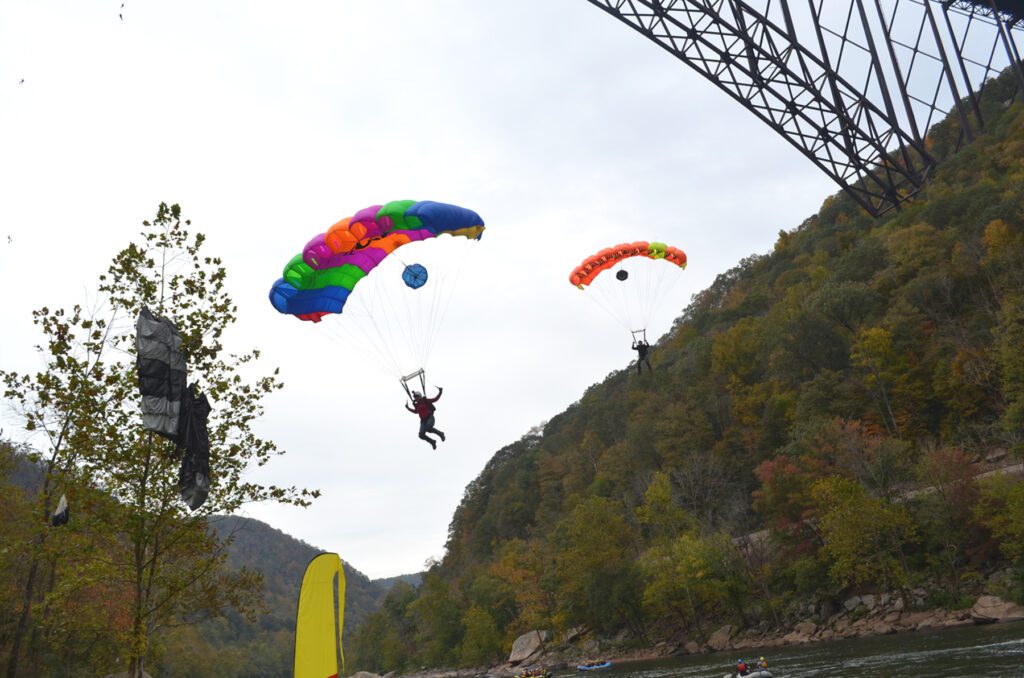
column 268, row 122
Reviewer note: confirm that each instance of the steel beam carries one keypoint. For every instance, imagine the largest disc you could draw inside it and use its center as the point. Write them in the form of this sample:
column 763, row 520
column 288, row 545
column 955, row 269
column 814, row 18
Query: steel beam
column 796, row 75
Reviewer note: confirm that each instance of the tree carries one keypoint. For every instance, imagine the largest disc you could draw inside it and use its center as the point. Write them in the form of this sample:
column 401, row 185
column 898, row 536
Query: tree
column 661, row 517
column 873, row 351
column 864, row 537
column 524, row 568
column 1011, row 364
column 696, row 578
column 945, row 511
column 595, row 556
column 1001, row 510
column 481, row 643
column 383, row 642
column 87, row 404
column 438, row 619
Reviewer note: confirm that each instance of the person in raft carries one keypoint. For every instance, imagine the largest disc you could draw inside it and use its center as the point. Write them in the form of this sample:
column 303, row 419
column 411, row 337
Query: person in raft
column 642, row 347
column 741, row 668
column 424, row 407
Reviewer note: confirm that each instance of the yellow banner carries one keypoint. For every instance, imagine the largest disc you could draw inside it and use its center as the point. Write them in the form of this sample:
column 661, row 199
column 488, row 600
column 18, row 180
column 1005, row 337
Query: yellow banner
column 318, row 622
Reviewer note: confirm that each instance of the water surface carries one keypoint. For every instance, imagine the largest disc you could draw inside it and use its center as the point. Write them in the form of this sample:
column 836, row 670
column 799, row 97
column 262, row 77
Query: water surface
column 972, row 651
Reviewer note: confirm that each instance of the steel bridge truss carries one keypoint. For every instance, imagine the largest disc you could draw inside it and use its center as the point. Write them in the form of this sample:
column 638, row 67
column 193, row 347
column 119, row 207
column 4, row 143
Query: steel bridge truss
column 855, row 85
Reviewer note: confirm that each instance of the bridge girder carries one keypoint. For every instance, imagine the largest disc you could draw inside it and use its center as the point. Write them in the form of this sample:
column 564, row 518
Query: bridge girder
column 853, row 84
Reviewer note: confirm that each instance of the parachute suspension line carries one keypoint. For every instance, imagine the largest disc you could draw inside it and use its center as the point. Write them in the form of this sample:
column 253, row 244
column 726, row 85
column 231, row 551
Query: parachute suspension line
column 642, row 333
column 633, row 298
column 654, row 287
column 411, row 330
column 407, row 329
column 424, row 333
column 649, row 293
column 369, row 332
column 377, row 357
column 443, row 302
column 409, row 325
column 397, row 326
column 442, row 297
column 624, row 301
column 614, row 297
column 378, row 342
column 605, row 305
column 384, row 338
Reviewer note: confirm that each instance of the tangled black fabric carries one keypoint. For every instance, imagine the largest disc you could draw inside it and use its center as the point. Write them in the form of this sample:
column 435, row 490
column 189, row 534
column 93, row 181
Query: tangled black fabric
column 168, row 408
column 161, row 370
column 193, row 436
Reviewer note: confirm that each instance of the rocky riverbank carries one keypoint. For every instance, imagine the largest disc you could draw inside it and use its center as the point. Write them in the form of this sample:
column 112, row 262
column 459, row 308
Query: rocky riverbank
column 867, row 615
column 859, row 616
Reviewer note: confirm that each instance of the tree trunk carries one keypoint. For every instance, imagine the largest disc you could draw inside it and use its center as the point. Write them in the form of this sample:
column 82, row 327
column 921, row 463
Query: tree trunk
column 26, row 609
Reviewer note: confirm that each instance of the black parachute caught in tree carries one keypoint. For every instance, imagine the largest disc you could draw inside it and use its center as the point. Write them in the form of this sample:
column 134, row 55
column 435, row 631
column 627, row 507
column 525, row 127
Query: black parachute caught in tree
column 168, row 407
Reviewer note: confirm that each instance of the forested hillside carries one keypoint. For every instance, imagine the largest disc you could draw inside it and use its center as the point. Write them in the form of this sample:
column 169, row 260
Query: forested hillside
column 809, row 391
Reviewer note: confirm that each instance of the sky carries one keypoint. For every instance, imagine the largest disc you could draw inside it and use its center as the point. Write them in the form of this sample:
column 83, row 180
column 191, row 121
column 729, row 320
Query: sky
column 268, row 122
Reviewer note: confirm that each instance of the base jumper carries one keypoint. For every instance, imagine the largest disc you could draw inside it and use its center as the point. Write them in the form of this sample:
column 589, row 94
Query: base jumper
column 424, row 407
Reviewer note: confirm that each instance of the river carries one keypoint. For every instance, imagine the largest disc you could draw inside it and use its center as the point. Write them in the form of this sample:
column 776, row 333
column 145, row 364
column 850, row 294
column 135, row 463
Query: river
column 973, row 651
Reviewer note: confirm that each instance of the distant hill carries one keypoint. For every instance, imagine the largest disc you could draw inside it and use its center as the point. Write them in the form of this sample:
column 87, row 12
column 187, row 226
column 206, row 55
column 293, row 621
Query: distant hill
column 282, row 559
column 412, row 580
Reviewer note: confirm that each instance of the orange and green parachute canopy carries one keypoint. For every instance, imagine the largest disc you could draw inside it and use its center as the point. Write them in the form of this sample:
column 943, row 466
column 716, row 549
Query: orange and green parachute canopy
column 601, row 261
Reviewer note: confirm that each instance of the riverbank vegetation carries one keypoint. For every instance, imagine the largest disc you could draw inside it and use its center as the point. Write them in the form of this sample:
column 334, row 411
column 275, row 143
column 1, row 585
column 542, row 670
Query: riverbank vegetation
column 844, row 414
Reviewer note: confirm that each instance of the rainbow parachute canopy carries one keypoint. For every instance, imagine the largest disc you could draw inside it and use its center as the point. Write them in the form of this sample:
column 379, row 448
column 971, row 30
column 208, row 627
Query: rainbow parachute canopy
column 318, row 281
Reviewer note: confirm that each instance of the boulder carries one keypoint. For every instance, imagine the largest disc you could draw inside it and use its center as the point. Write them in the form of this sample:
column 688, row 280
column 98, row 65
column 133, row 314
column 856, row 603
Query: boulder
column 526, row 646
column 365, row 674
column 957, row 621
column 746, row 643
column 913, row 619
column 574, row 634
column 869, row 601
column 802, row 633
column 806, row 628
column 719, row 640
column 989, row 609
column 878, row 628
column 692, row 647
